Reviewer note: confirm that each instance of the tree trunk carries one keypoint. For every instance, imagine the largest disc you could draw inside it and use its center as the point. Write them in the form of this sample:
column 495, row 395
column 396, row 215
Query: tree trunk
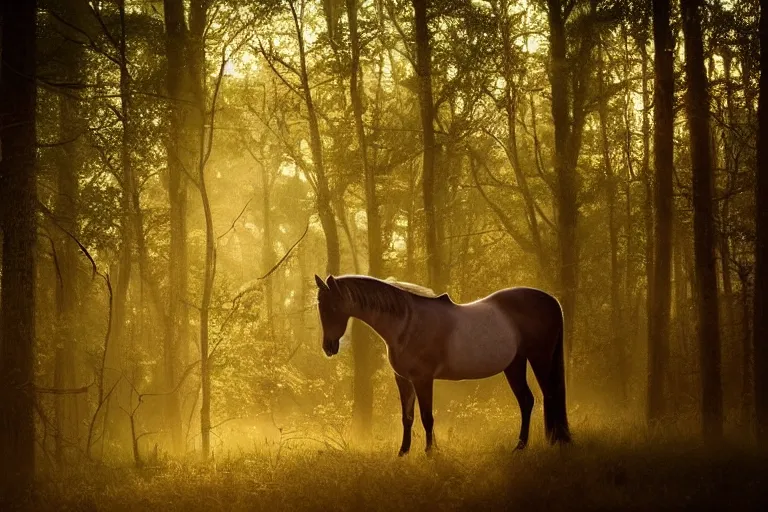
column 647, row 178
column 65, row 210
column 617, row 339
column 69, row 165
column 427, row 112
column 697, row 102
column 128, row 225
column 566, row 180
column 747, row 389
column 267, row 251
column 18, row 98
column 663, row 113
column 197, row 23
column 760, row 323
column 731, row 172
column 362, row 341
column 731, row 341
column 632, row 294
column 677, row 379
column 324, row 204
column 410, row 230
column 209, row 274
column 179, row 157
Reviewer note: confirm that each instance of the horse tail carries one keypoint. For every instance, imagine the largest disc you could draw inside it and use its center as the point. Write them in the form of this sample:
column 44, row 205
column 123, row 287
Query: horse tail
column 555, row 415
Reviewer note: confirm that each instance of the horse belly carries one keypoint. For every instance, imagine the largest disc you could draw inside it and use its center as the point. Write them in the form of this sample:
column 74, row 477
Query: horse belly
column 479, row 354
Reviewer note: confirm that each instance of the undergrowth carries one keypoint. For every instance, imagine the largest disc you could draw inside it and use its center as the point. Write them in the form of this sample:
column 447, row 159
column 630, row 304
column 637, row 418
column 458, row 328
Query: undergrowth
column 604, row 469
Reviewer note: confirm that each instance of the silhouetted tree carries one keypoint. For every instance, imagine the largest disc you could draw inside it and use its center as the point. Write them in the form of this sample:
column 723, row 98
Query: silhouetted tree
column 18, row 99
column 362, row 340
column 427, row 115
column 180, row 150
column 660, row 289
column 697, row 104
column 569, row 77
column 760, row 327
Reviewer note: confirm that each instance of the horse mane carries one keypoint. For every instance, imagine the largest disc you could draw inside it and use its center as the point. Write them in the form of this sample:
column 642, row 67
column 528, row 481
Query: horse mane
column 386, row 296
column 415, row 289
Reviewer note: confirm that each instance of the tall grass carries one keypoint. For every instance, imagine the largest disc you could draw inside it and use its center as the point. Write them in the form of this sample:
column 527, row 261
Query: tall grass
column 608, row 467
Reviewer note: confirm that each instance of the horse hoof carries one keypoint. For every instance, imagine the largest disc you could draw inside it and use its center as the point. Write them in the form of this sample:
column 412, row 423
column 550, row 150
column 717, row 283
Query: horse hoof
column 520, row 445
column 402, row 453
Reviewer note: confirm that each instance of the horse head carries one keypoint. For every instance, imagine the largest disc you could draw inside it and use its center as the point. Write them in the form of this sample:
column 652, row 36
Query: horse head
column 333, row 315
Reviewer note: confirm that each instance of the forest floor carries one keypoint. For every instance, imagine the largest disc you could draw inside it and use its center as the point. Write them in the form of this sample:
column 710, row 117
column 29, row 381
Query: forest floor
column 599, row 471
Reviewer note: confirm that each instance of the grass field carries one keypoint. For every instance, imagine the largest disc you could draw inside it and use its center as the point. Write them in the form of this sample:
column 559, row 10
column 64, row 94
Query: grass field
column 601, row 470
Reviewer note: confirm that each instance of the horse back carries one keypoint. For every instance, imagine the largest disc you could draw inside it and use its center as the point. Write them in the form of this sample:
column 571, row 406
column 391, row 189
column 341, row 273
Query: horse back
column 535, row 314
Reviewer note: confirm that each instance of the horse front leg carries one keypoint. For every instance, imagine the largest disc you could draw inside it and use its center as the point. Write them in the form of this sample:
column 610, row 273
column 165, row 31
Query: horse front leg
column 407, row 400
column 424, row 394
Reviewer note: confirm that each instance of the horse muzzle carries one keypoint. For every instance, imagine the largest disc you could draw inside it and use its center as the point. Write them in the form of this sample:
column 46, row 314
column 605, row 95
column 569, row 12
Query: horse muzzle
column 331, row 347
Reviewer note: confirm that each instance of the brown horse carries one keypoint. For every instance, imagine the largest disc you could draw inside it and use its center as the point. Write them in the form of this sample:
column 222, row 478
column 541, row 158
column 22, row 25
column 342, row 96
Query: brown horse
column 430, row 337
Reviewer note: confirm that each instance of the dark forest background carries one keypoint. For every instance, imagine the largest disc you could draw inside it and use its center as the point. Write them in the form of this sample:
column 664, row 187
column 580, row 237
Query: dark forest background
column 173, row 173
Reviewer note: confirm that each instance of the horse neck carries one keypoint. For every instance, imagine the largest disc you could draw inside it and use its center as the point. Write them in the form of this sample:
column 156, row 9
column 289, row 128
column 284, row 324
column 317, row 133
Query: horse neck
column 387, row 325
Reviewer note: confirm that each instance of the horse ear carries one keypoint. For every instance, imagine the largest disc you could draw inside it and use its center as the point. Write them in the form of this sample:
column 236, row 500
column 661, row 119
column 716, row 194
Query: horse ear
column 320, row 284
column 332, row 284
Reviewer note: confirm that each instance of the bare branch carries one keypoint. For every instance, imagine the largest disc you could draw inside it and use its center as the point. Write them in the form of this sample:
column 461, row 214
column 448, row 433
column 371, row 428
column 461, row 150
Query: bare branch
column 285, row 256
column 96, row 14
column 51, row 216
column 279, row 75
column 59, row 143
column 217, row 88
column 91, row 42
column 232, row 226
column 183, row 377
column 64, row 391
column 509, row 226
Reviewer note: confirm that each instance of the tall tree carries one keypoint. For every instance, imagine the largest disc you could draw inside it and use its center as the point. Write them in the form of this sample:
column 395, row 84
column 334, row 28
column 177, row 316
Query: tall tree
column 642, row 38
column 179, row 149
column 324, row 204
column 697, row 104
column 126, row 222
column 198, row 20
column 427, row 112
column 760, row 323
column 362, row 341
column 72, row 130
column 660, row 290
column 731, row 168
column 568, row 115
column 18, row 99
column 613, row 223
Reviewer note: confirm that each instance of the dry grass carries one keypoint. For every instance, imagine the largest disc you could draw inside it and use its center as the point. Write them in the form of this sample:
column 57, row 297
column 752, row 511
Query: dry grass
column 603, row 470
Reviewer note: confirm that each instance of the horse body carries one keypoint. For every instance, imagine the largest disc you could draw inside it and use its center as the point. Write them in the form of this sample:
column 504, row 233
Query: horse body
column 482, row 343
column 431, row 337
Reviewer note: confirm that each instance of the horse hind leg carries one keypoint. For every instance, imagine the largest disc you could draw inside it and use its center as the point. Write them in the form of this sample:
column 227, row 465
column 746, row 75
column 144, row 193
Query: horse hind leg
column 424, row 390
column 515, row 374
column 407, row 399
